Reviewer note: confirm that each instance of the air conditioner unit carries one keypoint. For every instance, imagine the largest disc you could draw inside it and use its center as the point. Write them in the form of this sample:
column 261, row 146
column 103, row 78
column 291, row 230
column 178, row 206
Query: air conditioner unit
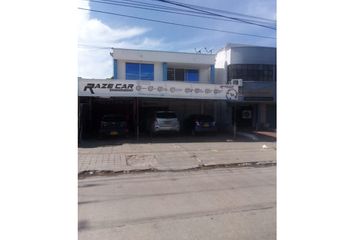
column 237, row 82
column 246, row 114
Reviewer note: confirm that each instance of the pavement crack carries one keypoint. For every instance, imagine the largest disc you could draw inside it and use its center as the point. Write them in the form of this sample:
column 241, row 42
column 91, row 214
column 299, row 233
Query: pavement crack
column 180, row 216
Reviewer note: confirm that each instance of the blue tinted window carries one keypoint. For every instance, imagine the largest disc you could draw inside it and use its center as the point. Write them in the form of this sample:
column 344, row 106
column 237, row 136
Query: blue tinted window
column 137, row 71
column 146, row 71
column 132, row 71
column 192, row 75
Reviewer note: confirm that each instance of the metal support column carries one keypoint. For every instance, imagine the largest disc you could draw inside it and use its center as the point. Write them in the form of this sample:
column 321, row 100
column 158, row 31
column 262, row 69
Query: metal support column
column 137, row 118
column 235, row 116
column 90, row 115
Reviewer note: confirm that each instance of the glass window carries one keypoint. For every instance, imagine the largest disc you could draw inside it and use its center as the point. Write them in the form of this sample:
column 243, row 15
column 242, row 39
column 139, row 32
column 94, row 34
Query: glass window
column 132, row 71
column 192, row 75
column 137, row 71
column 179, row 74
column 251, row 72
column 146, row 71
column 171, row 74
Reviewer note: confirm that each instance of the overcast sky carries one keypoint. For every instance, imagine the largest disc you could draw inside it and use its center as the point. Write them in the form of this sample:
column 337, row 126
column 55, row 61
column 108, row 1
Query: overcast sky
column 101, row 30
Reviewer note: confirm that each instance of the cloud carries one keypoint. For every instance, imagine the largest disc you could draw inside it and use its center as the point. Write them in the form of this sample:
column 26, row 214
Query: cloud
column 95, row 31
column 93, row 34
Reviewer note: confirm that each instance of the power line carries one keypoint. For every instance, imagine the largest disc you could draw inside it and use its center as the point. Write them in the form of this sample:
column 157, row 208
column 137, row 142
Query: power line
column 164, row 7
column 231, row 13
column 212, row 9
column 117, row 3
column 144, row 4
column 177, row 24
column 138, row 4
column 214, row 14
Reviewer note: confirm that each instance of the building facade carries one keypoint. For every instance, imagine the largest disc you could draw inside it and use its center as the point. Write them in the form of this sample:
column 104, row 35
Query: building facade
column 187, row 83
column 256, row 66
column 132, row 64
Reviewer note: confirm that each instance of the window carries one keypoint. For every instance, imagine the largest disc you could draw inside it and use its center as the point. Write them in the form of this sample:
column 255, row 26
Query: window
column 139, row 71
column 180, row 74
column 250, row 72
column 192, row 75
column 146, row 71
column 132, row 71
column 171, row 74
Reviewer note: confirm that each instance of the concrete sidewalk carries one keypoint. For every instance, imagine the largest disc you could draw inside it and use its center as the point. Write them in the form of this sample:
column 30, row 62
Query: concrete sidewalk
column 172, row 155
column 271, row 134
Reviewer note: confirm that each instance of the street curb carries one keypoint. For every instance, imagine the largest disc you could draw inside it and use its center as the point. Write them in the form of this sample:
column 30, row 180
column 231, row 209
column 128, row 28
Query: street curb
column 93, row 173
column 250, row 136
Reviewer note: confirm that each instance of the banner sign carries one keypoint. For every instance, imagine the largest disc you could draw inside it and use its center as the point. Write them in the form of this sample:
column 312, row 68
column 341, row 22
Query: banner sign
column 164, row 89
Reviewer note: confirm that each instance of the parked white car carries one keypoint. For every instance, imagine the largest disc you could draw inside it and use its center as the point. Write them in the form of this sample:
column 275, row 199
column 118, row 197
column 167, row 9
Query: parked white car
column 164, row 121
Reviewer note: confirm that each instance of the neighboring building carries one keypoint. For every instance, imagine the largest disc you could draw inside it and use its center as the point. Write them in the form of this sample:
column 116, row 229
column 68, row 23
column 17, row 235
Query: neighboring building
column 256, row 66
column 202, row 79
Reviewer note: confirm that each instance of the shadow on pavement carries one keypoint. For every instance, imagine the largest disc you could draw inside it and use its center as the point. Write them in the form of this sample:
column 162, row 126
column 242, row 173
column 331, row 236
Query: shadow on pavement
column 93, row 142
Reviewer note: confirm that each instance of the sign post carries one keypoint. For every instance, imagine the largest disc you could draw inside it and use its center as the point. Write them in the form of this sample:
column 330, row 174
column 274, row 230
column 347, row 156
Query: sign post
column 235, row 116
column 232, row 95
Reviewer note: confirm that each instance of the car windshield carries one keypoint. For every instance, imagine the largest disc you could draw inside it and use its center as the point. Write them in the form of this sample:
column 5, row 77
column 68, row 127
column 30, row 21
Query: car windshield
column 113, row 118
column 203, row 118
column 166, row 115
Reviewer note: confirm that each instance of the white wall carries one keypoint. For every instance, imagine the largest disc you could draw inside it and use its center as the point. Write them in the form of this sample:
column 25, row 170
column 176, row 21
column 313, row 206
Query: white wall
column 121, row 69
column 204, row 75
column 162, row 56
column 204, row 72
column 221, row 61
column 241, row 55
column 158, row 72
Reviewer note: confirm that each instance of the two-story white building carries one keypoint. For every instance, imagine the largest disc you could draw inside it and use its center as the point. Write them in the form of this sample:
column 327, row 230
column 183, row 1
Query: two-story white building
column 187, row 83
column 157, row 66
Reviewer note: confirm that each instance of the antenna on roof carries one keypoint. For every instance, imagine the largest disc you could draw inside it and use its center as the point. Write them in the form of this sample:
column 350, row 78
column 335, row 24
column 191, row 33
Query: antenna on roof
column 199, row 51
column 208, row 51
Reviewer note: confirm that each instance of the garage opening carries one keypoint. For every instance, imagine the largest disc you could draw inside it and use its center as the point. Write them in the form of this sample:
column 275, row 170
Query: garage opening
column 136, row 112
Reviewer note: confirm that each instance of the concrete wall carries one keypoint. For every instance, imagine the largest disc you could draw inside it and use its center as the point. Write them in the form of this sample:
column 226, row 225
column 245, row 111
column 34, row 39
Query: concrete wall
column 204, row 75
column 204, row 71
column 222, row 59
column 202, row 62
column 162, row 56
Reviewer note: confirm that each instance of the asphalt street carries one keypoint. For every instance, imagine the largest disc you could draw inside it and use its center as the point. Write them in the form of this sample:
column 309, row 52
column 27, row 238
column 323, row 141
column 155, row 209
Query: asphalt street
column 226, row 203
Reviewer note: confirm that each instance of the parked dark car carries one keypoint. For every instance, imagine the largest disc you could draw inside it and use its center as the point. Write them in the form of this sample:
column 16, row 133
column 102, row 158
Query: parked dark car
column 198, row 123
column 113, row 125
